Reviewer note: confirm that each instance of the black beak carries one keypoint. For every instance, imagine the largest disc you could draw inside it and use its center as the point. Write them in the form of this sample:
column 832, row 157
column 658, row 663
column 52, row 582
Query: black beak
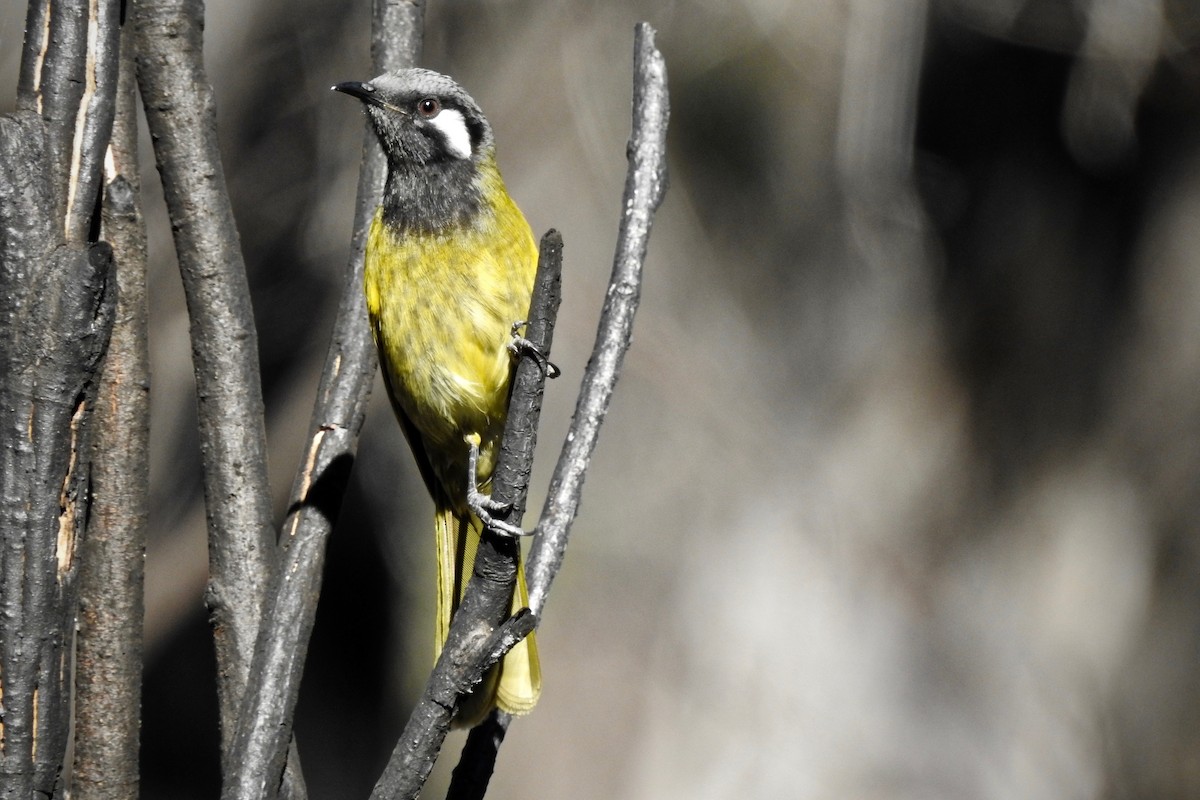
column 363, row 91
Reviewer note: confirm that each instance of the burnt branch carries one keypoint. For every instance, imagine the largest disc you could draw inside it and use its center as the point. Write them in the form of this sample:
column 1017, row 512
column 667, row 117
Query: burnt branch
column 69, row 77
column 510, row 478
column 56, row 313
column 56, row 308
column 510, row 484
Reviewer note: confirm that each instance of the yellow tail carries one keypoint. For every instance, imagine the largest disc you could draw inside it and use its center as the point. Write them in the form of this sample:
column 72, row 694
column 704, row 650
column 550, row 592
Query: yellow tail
column 515, row 683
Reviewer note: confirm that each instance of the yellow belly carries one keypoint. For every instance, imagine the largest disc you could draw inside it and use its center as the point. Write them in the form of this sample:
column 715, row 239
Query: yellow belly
column 442, row 308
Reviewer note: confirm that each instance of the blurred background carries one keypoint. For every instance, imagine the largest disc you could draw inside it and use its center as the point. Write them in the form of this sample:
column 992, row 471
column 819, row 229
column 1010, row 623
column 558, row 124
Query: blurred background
column 898, row 496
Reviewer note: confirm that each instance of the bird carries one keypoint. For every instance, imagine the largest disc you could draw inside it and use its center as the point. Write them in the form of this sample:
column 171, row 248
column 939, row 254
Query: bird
column 448, row 273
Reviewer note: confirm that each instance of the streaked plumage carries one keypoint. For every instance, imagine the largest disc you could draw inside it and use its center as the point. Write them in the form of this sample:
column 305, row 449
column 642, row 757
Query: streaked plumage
column 449, row 268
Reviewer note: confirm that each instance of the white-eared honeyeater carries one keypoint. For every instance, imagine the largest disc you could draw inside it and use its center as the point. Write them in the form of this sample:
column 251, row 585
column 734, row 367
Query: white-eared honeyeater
column 449, row 268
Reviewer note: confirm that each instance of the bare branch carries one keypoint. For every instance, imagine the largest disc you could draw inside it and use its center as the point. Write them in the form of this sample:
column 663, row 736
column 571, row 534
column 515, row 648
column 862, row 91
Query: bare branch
column 471, row 647
column 265, row 721
column 645, row 185
column 93, row 121
column 33, row 55
column 108, row 656
column 179, row 109
column 510, row 478
column 56, row 309
column 477, row 762
column 644, row 189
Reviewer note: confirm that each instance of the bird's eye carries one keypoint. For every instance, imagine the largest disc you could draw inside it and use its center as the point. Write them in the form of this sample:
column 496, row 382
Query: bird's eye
column 429, row 107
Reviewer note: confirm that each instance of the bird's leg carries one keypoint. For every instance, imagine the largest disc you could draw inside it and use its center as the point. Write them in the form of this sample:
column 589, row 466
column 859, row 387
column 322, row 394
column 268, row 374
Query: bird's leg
column 520, row 346
column 482, row 504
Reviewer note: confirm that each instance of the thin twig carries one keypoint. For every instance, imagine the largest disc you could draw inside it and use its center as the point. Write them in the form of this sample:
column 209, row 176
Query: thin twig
column 267, row 713
column 471, row 645
column 645, row 185
column 108, row 654
column 179, row 107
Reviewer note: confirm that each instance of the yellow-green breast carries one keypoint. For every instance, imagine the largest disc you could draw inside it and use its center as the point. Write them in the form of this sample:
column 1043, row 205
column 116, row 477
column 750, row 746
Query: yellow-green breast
column 442, row 305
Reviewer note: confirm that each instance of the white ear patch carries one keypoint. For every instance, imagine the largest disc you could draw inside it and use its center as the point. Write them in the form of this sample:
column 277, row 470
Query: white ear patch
column 453, row 127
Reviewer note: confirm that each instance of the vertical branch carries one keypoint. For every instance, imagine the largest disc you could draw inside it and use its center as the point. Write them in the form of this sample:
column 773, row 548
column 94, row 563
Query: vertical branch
column 645, row 185
column 266, row 717
column 179, row 107
column 109, row 643
column 68, row 75
column 33, row 55
column 56, row 309
column 93, row 121
column 55, row 58
column 76, row 323
column 510, row 478
column 56, row 312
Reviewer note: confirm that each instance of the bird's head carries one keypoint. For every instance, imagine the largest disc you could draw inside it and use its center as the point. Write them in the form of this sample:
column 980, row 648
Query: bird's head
column 422, row 117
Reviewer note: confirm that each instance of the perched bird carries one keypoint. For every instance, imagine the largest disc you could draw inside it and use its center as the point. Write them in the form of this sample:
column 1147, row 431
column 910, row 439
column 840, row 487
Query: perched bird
column 449, row 269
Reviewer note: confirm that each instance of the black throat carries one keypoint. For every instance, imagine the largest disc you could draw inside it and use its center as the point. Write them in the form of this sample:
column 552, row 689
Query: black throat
column 428, row 198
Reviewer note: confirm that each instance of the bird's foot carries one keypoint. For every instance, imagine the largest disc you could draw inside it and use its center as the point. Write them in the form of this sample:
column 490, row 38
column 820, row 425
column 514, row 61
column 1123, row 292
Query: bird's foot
column 482, row 505
column 520, row 346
